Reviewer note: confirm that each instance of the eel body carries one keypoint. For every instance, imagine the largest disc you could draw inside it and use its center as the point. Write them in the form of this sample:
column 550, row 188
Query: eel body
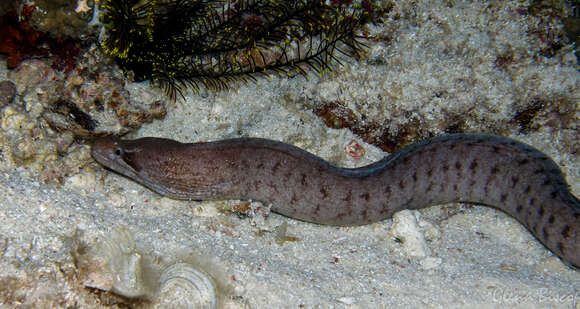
column 482, row 169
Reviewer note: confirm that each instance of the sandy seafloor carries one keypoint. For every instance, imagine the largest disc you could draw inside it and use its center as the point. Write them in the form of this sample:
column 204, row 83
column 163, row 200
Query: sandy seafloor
column 475, row 257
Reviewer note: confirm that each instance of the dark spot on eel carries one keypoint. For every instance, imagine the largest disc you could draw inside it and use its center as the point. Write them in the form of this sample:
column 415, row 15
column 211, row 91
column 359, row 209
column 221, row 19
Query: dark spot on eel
column 515, row 180
column 473, row 164
column 324, row 193
column 561, row 247
column 365, row 196
column 401, row 184
column 276, row 167
column 565, row 231
column 503, row 197
column 388, row 190
column 348, row 197
column 303, row 180
column 294, row 198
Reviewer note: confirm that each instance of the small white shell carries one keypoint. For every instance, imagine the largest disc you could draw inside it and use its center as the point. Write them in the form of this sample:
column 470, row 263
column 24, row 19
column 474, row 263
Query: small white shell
column 183, row 286
column 114, row 264
column 121, row 264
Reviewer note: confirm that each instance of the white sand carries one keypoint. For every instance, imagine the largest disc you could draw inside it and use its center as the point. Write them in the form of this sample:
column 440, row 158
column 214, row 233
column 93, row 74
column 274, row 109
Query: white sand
column 464, row 257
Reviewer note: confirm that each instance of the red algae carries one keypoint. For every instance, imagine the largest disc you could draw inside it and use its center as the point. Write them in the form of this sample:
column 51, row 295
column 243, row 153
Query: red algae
column 19, row 40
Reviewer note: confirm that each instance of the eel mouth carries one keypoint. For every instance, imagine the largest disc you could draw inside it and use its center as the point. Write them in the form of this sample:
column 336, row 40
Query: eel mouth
column 103, row 149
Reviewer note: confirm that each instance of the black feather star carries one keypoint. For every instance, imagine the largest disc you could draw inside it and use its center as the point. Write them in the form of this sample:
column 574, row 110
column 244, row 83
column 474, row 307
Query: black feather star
column 189, row 43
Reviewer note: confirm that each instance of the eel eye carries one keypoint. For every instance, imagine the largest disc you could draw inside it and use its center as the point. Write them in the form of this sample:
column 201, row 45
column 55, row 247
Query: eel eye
column 118, row 151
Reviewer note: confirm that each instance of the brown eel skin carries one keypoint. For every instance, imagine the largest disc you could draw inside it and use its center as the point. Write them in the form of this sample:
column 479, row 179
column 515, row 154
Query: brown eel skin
column 475, row 168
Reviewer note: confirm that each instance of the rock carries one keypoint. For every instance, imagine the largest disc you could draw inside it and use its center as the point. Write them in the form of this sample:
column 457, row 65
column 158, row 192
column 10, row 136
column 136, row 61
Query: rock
column 7, row 92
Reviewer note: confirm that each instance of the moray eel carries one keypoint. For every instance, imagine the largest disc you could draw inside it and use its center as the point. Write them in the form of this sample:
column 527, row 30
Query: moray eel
column 481, row 169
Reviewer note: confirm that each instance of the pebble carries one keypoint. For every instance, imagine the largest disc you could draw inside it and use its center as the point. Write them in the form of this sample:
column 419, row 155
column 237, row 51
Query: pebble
column 7, row 92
